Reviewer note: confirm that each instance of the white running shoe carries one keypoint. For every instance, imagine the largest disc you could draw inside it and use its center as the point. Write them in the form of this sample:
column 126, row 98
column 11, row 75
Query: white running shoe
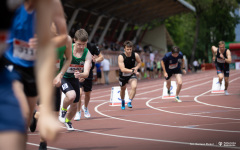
column 86, row 112
column 177, row 99
column 69, row 126
column 62, row 116
column 226, row 92
column 77, row 116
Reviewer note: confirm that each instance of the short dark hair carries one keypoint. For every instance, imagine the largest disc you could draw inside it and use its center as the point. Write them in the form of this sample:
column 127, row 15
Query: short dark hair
column 81, row 35
column 221, row 43
column 175, row 49
column 128, row 44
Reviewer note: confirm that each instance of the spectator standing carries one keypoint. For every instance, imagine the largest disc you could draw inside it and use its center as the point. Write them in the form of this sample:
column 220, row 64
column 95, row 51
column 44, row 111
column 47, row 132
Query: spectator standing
column 99, row 72
column 105, row 64
column 195, row 65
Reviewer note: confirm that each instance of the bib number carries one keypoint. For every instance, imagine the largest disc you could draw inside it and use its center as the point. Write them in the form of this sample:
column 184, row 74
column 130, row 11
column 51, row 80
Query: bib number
column 73, row 67
column 172, row 66
column 22, row 50
column 58, row 64
column 3, row 45
column 219, row 60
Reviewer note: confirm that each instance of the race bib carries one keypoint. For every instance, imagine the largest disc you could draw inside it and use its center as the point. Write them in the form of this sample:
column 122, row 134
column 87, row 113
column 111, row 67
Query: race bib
column 3, row 45
column 219, row 60
column 126, row 74
column 58, row 64
column 73, row 67
column 172, row 66
column 22, row 50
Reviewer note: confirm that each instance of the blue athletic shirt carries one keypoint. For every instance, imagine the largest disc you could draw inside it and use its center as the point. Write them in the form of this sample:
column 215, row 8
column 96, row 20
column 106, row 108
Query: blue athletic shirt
column 22, row 29
column 172, row 62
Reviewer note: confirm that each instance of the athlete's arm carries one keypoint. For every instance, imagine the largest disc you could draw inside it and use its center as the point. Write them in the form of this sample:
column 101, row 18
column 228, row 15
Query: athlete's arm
column 214, row 51
column 67, row 62
column 164, row 69
column 87, row 67
column 183, row 66
column 60, row 22
column 45, row 70
column 98, row 58
column 229, row 57
column 138, row 60
column 122, row 66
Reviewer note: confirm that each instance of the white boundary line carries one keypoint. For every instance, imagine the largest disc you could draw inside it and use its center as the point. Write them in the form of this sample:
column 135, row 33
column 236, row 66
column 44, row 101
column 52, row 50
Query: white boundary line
column 147, row 103
column 195, row 99
column 155, row 124
column 155, row 140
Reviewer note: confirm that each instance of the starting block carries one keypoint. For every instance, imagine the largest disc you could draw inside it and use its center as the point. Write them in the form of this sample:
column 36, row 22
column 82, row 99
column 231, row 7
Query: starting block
column 216, row 86
column 173, row 90
column 115, row 99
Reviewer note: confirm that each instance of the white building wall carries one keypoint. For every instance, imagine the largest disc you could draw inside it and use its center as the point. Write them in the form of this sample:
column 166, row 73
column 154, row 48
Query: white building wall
column 157, row 38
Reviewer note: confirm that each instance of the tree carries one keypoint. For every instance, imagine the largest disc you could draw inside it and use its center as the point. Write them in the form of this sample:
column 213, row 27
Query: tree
column 213, row 20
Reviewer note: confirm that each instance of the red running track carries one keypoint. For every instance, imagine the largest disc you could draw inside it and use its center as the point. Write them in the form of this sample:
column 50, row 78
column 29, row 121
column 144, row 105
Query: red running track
column 202, row 121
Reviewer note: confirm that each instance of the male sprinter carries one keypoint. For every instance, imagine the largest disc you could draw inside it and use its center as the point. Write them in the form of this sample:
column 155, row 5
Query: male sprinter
column 173, row 63
column 128, row 72
column 222, row 58
column 87, row 83
column 79, row 68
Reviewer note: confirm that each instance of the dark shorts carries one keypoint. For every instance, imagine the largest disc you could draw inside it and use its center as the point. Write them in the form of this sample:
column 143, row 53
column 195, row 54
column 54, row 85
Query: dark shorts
column 99, row 75
column 11, row 118
column 26, row 77
column 223, row 68
column 170, row 72
column 87, row 85
column 124, row 80
column 69, row 84
column 57, row 98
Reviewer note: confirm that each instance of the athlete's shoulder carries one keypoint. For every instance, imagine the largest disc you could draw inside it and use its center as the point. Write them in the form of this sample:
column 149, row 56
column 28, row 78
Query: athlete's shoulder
column 180, row 54
column 168, row 54
column 93, row 48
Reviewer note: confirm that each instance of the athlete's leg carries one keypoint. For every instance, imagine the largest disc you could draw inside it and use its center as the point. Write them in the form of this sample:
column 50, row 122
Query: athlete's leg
column 68, row 100
column 133, row 83
column 21, row 97
column 179, row 83
column 32, row 101
column 71, row 111
column 226, row 82
column 168, row 83
column 12, row 140
column 87, row 98
column 220, row 76
column 80, row 103
column 122, row 92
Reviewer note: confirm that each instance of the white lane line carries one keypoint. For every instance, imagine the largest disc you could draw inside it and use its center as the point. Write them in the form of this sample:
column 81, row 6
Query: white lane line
column 159, row 89
column 215, row 124
column 155, row 124
column 154, row 85
column 195, row 99
column 48, row 147
column 154, row 140
column 147, row 103
column 179, row 106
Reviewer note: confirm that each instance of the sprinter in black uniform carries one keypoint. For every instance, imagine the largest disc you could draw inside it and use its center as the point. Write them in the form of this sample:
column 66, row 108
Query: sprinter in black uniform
column 87, row 83
column 173, row 63
column 222, row 58
column 128, row 72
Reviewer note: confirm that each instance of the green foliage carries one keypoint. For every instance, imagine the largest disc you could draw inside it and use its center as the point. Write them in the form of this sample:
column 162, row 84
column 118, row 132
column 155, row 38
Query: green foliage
column 216, row 22
column 181, row 28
